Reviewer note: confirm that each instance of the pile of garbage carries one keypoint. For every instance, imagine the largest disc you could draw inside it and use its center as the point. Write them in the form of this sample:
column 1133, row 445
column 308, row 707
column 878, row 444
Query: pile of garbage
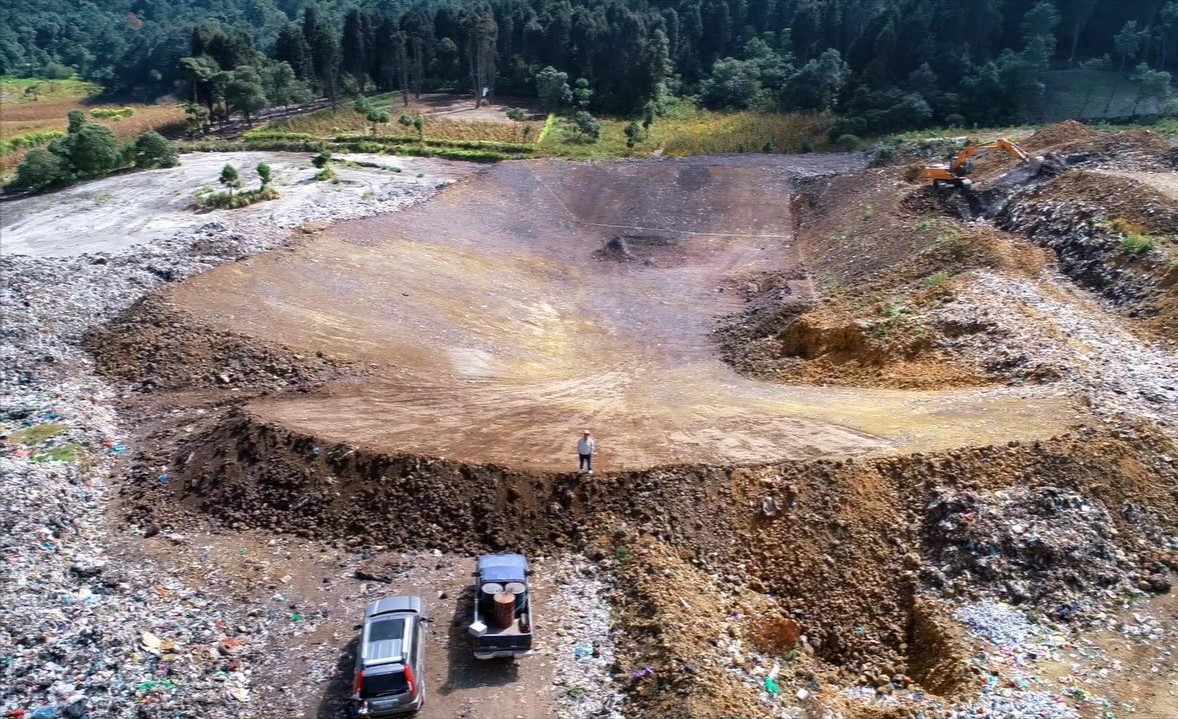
column 583, row 655
column 84, row 633
column 1044, row 546
column 1084, row 217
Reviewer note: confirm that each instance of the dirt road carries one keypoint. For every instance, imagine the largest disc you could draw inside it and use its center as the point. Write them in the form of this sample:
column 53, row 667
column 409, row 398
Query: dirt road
column 498, row 320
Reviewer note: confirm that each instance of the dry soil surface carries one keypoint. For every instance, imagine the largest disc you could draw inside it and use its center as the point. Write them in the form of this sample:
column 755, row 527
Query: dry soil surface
column 537, row 298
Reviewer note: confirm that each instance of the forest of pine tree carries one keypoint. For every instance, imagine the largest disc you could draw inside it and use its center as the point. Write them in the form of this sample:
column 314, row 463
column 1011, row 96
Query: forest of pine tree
column 880, row 64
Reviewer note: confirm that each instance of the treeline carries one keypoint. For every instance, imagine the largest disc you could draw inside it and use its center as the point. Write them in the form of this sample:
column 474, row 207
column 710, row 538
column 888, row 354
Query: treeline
column 86, row 151
column 881, row 64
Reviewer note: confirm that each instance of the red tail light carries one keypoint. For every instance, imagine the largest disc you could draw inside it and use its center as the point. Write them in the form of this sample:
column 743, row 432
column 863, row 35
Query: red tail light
column 409, row 679
column 359, row 682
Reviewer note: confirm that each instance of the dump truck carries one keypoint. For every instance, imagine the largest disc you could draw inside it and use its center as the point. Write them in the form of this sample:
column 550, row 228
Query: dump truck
column 501, row 623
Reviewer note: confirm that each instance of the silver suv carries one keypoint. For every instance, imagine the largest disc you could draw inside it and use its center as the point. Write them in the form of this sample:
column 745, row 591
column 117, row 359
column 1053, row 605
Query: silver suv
column 390, row 660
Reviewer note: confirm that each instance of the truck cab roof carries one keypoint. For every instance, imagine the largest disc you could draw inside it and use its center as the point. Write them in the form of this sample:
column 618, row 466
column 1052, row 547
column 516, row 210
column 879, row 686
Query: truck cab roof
column 502, row 567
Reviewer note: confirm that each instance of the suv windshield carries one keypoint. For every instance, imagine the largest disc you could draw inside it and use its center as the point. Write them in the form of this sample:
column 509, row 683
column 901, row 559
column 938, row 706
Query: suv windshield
column 375, row 685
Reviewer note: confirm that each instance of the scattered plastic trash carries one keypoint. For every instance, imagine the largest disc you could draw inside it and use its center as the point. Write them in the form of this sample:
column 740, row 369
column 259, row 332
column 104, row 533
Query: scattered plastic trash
column 151, row 684
column 771, row 686
column 640, row 674
column 582, row 652
column 118, row 449
column 163, row 478
column 296, row 617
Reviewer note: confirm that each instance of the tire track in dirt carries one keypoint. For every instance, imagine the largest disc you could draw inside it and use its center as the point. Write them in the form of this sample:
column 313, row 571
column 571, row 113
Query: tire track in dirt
column 492, row 332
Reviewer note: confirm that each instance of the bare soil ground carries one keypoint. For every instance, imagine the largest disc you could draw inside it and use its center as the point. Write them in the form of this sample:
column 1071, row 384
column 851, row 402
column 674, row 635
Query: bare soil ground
column 309, row 599
column 905, row 409
column 492, row 330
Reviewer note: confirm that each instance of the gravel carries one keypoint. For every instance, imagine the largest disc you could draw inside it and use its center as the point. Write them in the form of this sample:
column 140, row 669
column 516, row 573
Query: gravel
column 998, row 623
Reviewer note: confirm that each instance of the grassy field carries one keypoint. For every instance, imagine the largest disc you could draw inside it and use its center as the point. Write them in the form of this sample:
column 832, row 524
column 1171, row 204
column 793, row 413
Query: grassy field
column 490, row 125
column 683, row 130
column 21, row 115
column 688, row 130
column 1167, row 127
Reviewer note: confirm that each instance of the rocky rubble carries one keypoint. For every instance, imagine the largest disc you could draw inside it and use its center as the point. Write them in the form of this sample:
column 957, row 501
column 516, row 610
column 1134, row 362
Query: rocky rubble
column 1019, row 326
column 1032, row 544
column 88, row 635
column 1084, row 217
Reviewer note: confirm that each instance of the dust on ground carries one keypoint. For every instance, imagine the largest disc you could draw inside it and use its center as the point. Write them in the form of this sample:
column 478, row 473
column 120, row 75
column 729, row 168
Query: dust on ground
column 462, row 107
column 308, row 597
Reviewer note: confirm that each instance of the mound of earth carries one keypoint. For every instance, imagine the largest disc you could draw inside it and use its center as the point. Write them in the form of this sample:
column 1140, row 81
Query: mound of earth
column 155, row 347
column 883, row 267
column 1086, row 218
column 489, row 332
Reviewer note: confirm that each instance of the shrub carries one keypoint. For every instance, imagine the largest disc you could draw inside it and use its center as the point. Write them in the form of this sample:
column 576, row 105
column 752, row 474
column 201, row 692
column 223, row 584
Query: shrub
column 230, row 178
column 110, row 113
column 936, row 279
column 271, row 135
column 1137, row 244
column 29, row 140
column 587, row 125
column 516, row 113
column 322, row 159
column 848, row 143
column 230, row 200
column 326, row 174
column 846, row 126
column 41, row 169
column 91, row 150
column 264, row 173
column 152, row 149
column 57, row 71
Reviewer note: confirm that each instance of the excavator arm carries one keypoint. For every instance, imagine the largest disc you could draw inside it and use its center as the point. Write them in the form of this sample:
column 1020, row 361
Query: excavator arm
column 961, row 165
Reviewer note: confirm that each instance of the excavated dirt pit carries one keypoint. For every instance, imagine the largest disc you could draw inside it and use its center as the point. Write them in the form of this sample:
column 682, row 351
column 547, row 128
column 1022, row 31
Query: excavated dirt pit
column 490, row 330
column 418, row 381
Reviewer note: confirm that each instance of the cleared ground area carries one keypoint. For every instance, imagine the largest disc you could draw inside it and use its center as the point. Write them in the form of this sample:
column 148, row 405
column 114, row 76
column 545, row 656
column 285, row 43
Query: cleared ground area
column 496, row 321
column 117, row 212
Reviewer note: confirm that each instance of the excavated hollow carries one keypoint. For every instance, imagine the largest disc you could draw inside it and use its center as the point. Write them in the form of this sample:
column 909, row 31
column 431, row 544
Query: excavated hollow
column 495, row 321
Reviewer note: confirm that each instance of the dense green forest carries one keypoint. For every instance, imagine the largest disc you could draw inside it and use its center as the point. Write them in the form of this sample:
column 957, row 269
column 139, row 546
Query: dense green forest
column 881, row 64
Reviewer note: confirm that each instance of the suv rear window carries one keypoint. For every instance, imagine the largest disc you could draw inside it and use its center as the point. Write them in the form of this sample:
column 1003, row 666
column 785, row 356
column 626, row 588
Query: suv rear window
column 374, row 685
column 386, row 629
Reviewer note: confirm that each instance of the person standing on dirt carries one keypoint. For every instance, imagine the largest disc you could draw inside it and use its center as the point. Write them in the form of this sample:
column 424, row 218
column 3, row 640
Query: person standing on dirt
column 586, row 448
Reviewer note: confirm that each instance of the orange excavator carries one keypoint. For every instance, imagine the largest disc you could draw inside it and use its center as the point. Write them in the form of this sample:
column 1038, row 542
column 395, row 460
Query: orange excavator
column 955, row 173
